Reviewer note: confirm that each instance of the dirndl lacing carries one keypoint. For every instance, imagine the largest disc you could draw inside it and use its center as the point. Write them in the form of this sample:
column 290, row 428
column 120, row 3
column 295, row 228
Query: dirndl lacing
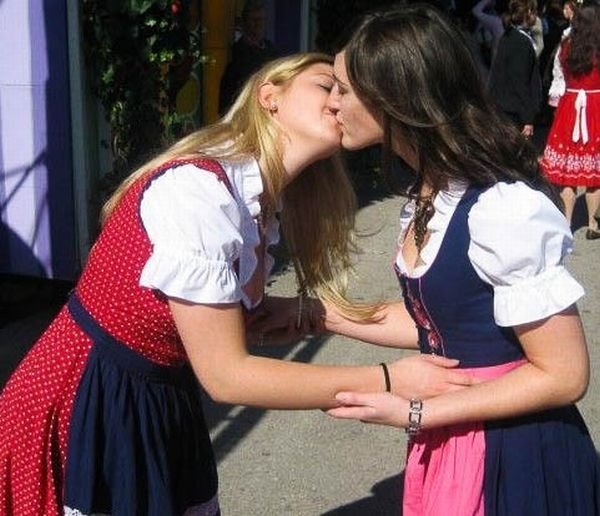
column 138, row 443
column 580, row 127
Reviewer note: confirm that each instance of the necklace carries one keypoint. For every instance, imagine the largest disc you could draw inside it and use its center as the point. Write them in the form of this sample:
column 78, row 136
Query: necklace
column 424, row 210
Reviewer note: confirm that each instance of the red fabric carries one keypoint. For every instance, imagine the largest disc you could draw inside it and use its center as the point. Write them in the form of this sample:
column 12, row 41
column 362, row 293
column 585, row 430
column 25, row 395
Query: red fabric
column 566, row 162
column 36, row 404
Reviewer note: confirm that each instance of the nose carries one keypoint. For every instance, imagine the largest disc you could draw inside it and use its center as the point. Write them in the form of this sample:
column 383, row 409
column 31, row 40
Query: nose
column 333, row 101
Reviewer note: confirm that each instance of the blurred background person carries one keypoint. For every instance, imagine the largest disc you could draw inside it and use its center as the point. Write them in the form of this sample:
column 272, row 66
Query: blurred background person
column 557, row 85
column 554, row 25
column 491, row 27
column 515, row 82
column 249, row 52
column 572, row 155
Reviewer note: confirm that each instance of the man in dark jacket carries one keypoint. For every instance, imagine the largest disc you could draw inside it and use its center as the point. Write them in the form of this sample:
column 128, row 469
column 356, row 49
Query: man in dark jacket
column 515, row 83
column 248, row 53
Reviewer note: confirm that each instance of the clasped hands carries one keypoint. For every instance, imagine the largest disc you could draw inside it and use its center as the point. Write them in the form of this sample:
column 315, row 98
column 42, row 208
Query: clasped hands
column 417, row 376
column 284, row 320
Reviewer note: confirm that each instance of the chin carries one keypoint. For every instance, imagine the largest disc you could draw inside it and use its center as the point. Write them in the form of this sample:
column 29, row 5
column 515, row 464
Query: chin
column 354, row 144
column 328, row 152
column 330, row 145
column 348, row 144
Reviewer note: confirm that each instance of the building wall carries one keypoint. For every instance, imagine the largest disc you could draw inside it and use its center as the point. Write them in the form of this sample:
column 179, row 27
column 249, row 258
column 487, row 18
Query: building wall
column 36, row 198
column 51, row 155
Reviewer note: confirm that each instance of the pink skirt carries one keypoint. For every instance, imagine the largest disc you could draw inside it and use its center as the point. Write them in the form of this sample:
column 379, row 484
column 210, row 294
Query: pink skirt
column 445, row 466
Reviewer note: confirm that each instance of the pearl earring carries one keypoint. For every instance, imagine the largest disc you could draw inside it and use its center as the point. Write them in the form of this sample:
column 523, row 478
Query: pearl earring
column 273, row 107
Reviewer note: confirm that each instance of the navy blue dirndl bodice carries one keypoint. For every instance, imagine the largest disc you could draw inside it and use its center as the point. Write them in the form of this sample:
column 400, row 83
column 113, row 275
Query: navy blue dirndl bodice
column 538, row 464
column 453, row 307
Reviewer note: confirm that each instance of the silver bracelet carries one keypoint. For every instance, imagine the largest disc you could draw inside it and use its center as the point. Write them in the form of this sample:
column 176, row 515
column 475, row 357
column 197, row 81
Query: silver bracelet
column 415, row 413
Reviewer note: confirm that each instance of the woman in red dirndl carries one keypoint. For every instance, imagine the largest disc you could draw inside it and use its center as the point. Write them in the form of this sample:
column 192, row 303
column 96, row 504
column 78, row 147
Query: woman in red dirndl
column 572, row 155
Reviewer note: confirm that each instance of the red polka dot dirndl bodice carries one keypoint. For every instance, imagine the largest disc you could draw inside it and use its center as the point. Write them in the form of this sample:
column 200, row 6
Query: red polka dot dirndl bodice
column 40, row 402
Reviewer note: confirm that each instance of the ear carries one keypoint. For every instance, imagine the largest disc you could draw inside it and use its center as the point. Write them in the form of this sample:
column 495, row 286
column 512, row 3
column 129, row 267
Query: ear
column 267, row 95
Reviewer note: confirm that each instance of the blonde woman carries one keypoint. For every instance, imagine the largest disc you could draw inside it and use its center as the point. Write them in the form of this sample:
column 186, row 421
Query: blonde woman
column 103, row 415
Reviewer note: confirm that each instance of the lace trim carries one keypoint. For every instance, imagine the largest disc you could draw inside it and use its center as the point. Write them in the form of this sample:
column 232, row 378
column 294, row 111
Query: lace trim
column 210, row 508
column 559, row 160
column 68, row 511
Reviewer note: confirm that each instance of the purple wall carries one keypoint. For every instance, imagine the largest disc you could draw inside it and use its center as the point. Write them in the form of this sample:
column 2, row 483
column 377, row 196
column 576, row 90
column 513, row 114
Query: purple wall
column 37, row 222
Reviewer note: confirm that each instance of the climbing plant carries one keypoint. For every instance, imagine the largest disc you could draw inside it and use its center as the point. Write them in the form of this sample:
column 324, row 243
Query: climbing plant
column 137, row 53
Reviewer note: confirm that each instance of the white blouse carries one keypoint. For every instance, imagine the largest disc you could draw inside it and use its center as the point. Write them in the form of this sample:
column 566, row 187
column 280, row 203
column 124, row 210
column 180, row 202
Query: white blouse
column 519, row 240
column 199, row 231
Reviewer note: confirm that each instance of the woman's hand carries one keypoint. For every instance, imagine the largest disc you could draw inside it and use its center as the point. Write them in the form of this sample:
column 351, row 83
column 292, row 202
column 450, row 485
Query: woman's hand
column 382, row 408
column 283, row 320
column 527, row 130
column 555, row 373
column 424, row 376
column 418, row 376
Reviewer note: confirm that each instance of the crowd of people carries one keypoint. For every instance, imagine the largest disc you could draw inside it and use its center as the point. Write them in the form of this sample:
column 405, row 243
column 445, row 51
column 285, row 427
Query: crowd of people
column 544, row 69
column 104, row 414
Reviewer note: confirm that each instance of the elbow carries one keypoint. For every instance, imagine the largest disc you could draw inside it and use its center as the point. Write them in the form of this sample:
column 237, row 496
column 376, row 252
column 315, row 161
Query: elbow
column 215, row 394
column 579, row 390
column 222, row 392
column 227, row 384
column 574, row 388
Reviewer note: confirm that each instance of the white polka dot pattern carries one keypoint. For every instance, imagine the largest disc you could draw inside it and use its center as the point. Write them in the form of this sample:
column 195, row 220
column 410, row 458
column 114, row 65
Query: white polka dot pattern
column 36, row 404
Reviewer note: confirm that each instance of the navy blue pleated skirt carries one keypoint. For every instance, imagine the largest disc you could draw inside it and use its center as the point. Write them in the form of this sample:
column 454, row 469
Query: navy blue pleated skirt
column 138, row 443
column 540, row 465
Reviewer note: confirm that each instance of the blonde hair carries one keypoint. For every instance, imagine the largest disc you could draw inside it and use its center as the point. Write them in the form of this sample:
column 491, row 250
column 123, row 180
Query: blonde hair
column 319, row 205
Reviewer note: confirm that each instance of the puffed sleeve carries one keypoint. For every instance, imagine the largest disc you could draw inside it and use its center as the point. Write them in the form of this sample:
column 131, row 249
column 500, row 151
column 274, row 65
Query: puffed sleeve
column 193, row 223
column 558, row 86
column 519, row 240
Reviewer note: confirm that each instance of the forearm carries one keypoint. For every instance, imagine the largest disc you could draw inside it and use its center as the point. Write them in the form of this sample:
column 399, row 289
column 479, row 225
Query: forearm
column 556, row 374
column 276, row 384
column 394, row 327
column 524, row 390
column 213, row 337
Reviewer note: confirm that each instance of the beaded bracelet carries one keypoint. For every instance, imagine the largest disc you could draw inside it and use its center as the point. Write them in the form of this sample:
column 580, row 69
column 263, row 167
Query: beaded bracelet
column 415, row 413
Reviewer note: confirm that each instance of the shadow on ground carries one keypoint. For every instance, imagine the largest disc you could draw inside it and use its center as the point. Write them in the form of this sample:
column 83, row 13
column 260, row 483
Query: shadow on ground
column 27, row 306
column 580, row 214
column 384, row 501
column 237, row 422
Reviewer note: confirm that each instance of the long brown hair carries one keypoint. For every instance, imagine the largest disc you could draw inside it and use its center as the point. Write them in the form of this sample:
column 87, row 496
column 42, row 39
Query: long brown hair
column 412, row 66
column 584, row 41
